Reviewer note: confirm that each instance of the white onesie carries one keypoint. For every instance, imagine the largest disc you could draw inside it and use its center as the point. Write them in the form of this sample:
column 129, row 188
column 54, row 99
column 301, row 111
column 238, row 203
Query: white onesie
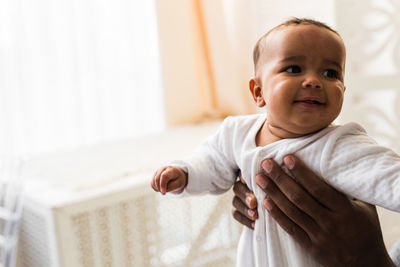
column 344, row 156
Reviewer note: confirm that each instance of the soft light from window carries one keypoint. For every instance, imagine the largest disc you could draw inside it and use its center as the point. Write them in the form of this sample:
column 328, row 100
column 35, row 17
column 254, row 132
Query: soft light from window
column 76, row 73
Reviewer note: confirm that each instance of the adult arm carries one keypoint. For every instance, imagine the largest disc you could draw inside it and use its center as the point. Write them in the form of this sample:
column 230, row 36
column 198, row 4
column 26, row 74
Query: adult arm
column 336, row 231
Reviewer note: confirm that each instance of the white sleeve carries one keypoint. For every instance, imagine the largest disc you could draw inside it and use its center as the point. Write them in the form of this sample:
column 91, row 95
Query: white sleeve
column 212, row 168
column 356, row 165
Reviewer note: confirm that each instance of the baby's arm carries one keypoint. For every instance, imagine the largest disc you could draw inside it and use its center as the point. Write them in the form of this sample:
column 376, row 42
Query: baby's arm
column 169, row 179
column 210, row 169
column 358, row 167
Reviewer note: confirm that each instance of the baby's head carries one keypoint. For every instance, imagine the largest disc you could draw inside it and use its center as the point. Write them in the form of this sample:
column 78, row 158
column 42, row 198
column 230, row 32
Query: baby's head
column 299, row 70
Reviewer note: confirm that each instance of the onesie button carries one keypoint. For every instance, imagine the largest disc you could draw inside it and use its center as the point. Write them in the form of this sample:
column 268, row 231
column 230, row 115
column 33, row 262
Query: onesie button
column 259, row 238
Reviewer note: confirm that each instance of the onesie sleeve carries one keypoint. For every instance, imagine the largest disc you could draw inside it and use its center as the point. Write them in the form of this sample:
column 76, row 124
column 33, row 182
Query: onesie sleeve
column 212, row 168
column 356, row 165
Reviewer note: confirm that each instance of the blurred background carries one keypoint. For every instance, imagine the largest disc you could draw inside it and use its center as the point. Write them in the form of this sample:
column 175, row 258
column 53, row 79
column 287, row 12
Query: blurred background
column 76, row 73
column 99, row 93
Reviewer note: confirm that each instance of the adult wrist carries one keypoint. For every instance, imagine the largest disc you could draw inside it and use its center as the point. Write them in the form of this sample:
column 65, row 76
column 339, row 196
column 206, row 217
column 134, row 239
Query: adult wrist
column 372, row 259
column 386, row 261
column 383, row 261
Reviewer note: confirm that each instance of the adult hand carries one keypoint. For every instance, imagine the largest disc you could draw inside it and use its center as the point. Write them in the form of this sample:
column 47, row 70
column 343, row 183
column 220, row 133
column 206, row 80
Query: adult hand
column 336, row 231
column 244, row 204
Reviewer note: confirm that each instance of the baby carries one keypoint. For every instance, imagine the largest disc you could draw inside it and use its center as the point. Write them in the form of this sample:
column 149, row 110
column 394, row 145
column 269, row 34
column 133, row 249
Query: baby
column 299, row 77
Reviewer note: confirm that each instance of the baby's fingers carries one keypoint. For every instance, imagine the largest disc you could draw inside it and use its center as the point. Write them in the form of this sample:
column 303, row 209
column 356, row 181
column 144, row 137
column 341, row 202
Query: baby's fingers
column 166, row 176
column 176, row 185
column 155, row 182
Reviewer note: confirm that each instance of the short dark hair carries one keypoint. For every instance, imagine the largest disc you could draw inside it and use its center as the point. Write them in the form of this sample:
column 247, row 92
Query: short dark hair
column 293, row 21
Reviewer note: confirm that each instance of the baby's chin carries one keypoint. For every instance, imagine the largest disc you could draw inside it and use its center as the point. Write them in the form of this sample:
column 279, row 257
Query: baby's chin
column 294, row 131
column 302, row 131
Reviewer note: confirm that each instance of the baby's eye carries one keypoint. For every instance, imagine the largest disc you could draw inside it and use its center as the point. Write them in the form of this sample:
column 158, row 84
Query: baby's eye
column 293, row 69
column 330, row 73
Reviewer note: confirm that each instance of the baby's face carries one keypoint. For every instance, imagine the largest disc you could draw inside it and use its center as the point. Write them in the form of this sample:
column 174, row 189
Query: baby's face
column 300, row 74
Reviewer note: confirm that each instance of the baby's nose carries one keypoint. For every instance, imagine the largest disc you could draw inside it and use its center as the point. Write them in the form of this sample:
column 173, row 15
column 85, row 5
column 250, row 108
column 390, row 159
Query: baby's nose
column 312, row 82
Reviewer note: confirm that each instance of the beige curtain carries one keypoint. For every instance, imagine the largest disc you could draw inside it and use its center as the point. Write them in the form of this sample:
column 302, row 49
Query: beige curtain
column 206, row 61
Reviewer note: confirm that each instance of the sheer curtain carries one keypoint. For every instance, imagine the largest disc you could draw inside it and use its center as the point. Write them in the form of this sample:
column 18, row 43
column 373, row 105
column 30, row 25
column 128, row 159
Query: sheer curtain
column 77, row 72
column 206, row 58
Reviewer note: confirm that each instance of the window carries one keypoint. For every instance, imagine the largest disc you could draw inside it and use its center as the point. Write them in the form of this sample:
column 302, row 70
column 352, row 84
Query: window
column 76, row 73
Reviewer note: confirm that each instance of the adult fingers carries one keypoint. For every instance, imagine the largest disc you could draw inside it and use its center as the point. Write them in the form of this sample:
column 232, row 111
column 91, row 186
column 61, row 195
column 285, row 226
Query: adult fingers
column 245, row 194
column 242, row 208
column 288, row 225
column 241, row 178
column 292, row 190
column 318, row 189
column 238, row 216
column 286, row 206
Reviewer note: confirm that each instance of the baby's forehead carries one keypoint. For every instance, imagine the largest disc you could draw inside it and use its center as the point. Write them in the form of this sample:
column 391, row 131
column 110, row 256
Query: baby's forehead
column 294, row 37
column 287, row 40
column 303, row 31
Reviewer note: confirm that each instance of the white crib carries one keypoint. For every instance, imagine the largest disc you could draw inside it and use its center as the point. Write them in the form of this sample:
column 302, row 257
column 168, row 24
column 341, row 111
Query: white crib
column 95, row 207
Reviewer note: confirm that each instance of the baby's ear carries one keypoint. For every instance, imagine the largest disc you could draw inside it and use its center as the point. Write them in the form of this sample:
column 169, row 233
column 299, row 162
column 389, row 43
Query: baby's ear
column 256, row 92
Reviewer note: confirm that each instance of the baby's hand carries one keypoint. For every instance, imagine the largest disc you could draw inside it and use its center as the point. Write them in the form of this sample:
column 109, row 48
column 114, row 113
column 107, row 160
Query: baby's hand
column 169, row 179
